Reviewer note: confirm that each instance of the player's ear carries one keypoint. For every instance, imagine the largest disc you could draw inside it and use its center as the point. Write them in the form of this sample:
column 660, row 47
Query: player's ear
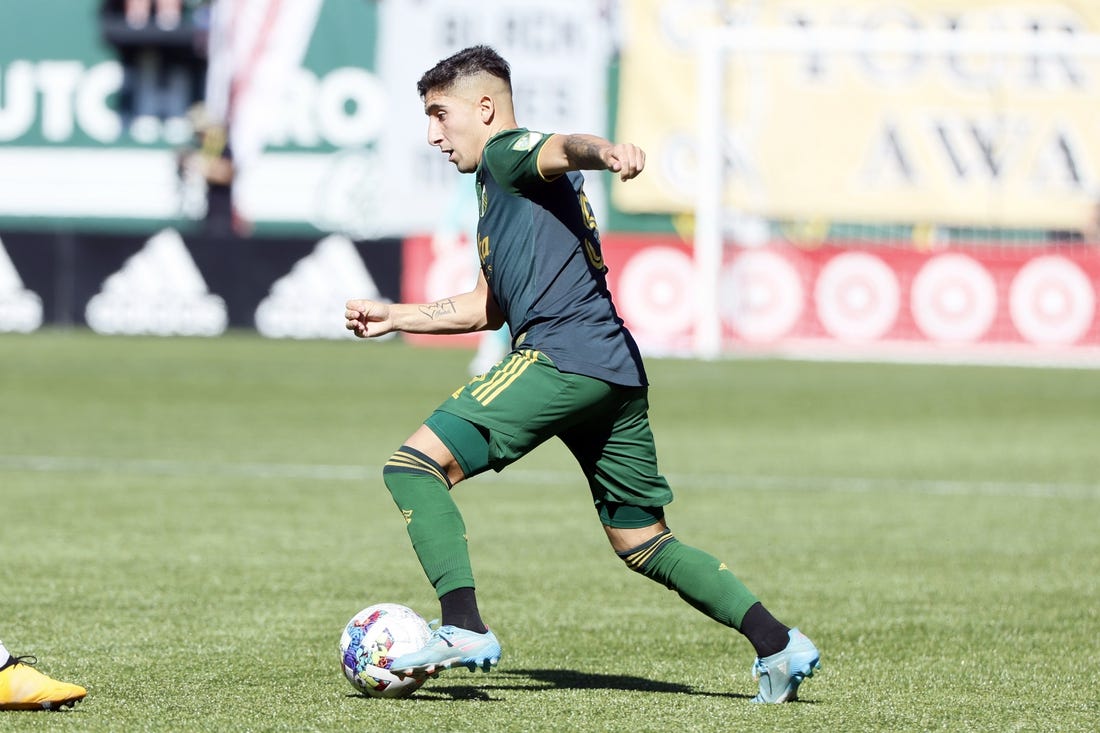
column 487, row 108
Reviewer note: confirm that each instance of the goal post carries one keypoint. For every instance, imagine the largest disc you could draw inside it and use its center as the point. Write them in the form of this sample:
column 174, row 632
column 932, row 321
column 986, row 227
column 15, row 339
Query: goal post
column 736, row 64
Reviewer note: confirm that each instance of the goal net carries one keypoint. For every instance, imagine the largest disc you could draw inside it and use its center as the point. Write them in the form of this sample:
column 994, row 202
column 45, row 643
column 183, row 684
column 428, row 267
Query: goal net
column 900, row 194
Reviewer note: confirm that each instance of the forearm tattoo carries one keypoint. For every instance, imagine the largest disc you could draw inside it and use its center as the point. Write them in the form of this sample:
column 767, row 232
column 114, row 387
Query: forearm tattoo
column 583, row 151
column 439, row 308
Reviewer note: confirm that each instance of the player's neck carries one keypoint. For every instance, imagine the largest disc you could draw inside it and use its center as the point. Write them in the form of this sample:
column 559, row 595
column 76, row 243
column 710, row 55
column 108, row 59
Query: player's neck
column 501, row 123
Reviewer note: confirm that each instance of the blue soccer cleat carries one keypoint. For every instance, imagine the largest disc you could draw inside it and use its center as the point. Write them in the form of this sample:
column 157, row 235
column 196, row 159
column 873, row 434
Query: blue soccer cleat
column 449, row 646
column 781, row 673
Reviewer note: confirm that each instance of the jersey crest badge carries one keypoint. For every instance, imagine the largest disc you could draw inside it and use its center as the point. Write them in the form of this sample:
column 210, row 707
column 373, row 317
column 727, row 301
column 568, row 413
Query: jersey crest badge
column 526, row 142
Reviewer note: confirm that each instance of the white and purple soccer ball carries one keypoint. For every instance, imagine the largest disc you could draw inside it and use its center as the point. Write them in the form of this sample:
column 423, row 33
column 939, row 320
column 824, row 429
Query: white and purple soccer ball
column 372, row 639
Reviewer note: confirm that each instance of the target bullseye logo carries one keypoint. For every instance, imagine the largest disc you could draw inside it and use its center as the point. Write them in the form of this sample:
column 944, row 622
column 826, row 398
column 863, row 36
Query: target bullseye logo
column 656, row 291
column 857, row 297
column 761, row 296
column 1052, row 301
column 954, row 299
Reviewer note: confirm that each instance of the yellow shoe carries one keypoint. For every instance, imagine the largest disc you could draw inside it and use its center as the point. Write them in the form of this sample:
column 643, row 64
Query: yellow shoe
column 22, row 687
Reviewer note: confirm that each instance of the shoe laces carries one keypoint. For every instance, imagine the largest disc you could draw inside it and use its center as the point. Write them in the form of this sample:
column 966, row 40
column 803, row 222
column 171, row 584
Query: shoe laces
column 28, row 660
column 445, row 634
column 438, row 632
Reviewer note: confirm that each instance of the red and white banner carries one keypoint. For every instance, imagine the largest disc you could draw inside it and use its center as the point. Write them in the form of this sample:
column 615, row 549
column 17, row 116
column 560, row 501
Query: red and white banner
column 976, row 302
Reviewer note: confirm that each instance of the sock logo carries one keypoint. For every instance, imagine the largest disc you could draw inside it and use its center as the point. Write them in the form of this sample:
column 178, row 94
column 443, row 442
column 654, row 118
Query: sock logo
column 20, row 309
column 408, row 515
column 160, row 292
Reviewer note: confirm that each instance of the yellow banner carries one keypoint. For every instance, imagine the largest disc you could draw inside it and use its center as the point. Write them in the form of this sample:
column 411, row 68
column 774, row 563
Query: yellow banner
column 887, row 134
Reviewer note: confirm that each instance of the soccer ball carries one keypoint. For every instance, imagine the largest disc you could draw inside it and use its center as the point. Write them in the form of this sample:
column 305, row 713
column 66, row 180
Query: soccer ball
column 372, row 639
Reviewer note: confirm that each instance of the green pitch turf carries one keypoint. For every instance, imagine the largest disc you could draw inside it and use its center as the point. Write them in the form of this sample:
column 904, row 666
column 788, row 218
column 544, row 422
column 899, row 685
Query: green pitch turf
column 188, row 524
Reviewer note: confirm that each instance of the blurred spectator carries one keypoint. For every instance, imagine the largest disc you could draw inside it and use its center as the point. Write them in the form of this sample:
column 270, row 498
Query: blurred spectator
column 167, row 15
column 164, row 66
column 210, row 161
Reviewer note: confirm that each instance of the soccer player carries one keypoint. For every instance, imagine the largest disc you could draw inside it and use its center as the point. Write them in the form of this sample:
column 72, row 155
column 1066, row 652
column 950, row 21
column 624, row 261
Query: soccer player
column 574, row 373
column 22, row 687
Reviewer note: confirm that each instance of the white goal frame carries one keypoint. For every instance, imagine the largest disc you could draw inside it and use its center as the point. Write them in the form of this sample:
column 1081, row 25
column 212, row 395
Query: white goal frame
column 715, row 45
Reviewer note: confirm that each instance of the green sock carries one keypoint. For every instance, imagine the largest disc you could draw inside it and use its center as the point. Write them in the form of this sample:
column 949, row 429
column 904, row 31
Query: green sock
column 700, row 579
column 421, row 491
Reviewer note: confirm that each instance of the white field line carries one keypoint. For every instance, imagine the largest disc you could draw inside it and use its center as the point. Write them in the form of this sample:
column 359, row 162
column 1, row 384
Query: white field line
column 335, row 472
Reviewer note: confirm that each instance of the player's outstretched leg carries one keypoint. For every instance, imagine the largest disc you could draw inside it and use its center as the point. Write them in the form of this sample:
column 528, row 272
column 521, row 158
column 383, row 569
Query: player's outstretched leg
column 450, row 646
column 780, row 674
column 22, row 687
column 784, row 656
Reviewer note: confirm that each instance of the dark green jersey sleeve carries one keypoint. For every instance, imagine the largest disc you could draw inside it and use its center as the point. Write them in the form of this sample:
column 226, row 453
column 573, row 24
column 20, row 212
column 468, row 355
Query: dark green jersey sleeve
column 512, row 158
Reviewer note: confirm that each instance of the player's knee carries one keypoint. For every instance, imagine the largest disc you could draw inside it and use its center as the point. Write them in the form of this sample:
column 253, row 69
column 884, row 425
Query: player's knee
column 410, row 465
column 643, row 557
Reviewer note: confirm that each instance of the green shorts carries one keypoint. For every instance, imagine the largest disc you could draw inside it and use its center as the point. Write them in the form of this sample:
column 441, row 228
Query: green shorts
column 524, row 400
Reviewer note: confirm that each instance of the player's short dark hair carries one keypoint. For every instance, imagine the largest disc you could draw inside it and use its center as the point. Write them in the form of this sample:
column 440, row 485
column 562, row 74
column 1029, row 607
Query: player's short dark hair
column 467, row 62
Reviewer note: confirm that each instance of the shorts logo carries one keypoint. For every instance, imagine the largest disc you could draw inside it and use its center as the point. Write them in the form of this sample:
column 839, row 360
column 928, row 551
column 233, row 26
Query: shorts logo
column 505, row 375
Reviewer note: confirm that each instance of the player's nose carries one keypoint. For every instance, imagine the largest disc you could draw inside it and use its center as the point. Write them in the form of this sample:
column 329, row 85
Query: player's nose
column 435, row 135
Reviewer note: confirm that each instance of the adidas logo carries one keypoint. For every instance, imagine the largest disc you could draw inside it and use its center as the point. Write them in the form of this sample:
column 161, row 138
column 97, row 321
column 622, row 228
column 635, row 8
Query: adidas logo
column 308, row 302
column 20, row 309
column 160, row 292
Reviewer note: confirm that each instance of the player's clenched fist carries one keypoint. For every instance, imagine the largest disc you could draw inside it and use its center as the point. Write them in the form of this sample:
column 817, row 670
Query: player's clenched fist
column 367, row 318
column 626, row 159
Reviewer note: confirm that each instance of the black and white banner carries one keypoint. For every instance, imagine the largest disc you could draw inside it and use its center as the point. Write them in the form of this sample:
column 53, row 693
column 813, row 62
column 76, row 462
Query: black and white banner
column 169, row 284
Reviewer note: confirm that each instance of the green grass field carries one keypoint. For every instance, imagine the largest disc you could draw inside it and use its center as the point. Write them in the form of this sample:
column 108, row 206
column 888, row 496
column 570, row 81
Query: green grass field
column 188, row 524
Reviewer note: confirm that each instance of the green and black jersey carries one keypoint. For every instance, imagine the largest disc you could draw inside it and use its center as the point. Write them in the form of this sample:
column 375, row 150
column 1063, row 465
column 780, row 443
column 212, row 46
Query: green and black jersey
column 540, row 251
